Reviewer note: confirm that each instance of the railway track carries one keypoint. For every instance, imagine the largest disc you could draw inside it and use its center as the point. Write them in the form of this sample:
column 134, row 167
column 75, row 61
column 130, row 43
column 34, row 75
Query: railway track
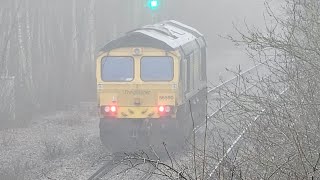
column 217, row 102
column 224, row 102
column 120, row 162
column 105, row 169
column 235, row 143
column 215, row 112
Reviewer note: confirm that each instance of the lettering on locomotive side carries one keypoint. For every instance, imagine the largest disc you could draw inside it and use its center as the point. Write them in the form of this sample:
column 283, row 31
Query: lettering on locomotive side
column 137, row 92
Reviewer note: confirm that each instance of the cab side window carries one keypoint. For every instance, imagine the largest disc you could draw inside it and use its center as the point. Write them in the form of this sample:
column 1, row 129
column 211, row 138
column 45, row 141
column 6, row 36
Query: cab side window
column 185, row 76
column 188, row 74
column 197, row 69
column 190, row 60
column 203, row 64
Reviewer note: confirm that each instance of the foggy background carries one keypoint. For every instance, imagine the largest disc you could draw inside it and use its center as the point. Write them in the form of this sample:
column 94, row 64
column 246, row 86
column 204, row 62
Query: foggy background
column 49, row 47
column 263, row 125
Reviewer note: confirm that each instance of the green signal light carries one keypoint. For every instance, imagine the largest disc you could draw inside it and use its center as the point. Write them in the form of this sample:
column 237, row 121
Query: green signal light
column 153, row 4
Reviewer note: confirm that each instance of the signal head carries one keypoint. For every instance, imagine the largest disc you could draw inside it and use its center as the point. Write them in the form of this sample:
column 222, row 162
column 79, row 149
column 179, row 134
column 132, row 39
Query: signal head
column 153, row 4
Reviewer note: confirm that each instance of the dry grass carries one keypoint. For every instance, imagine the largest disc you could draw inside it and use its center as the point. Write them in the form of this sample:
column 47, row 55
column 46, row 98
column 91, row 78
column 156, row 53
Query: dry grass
column 7, row 138
column 53, row 149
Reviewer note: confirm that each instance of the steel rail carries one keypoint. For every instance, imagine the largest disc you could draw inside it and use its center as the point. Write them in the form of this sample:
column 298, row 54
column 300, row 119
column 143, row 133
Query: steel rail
column 105, row 169
column 235, row 77
column 237, row 140
column 113, row 163
column 195, row 130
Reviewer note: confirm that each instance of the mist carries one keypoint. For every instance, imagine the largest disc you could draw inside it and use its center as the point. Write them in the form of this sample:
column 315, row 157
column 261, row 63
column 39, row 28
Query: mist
column 49, row 105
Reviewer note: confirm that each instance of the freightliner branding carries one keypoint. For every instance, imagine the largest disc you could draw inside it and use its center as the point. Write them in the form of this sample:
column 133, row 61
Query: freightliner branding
column 137, row 92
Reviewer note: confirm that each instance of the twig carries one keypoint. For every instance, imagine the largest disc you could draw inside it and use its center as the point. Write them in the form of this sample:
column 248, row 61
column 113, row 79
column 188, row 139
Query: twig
column 205, row 139
column 165, row 147
column 194, row 142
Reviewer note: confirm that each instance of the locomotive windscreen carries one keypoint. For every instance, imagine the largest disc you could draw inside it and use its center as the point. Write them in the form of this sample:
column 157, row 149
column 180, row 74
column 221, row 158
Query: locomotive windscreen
column 156, row 68
column 117, row 69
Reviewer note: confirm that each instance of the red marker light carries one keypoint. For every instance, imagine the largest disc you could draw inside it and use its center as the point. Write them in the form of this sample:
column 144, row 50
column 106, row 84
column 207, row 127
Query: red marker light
column 113, row 109
column 161, row 109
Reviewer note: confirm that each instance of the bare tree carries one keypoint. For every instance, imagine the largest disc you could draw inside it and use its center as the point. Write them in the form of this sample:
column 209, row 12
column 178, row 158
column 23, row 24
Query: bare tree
column 271, row 128
column 281, row 139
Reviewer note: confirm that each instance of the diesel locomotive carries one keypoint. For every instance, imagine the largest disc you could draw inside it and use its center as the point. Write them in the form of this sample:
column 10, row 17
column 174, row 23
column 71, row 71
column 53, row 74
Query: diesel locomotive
column 151, row 86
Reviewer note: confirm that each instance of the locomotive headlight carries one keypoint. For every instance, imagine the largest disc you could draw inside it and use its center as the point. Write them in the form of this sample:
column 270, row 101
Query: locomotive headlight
column 168, row 109
column 107, row 109
column 110, row 109
column 164, row 110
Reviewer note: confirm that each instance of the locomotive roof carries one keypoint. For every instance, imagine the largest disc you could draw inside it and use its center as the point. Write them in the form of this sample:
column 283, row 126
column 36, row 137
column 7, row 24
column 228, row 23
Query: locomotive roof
column 167, row 35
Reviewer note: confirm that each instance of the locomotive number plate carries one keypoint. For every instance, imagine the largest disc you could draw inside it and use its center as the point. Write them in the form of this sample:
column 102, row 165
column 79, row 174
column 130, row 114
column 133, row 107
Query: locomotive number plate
column 167, row 99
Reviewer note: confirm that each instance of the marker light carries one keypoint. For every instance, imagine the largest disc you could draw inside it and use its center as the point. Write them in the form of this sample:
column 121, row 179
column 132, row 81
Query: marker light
column 113, row 109
column 161, row 108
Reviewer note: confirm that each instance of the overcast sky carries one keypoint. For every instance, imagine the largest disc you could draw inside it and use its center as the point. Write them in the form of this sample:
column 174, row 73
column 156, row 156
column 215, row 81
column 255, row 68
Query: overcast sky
column 218, row 21
column 215, row 17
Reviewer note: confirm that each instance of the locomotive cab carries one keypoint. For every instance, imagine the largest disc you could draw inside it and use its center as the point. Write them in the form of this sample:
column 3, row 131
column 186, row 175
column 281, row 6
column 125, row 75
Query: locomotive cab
column 138, row 83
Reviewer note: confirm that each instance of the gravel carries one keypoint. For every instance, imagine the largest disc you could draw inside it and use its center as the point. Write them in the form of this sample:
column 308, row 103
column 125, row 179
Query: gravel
column 64, row 145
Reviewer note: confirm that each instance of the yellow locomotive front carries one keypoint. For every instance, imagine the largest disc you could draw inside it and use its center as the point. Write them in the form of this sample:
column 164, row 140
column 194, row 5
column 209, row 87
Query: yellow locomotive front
column 138, row 83
column 138, row 93
column 147, row 81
